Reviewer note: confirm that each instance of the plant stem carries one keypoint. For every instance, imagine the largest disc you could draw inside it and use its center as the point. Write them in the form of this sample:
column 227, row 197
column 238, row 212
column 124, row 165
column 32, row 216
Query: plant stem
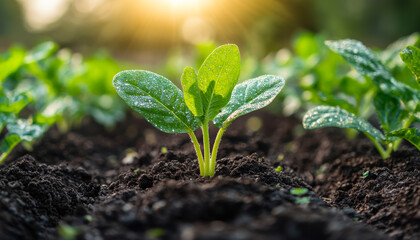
column 389, row 150
column 407, row 124
column 10, row 145
column 2, row 157
column 206, row 143
column 381, row 150
column 215, row 148
column 198, row 152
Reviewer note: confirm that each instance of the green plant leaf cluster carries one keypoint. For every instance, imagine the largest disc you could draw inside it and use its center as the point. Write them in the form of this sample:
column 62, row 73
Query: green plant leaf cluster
column 60, row 87
column 317, row 75
column 211, row 94
column 17, row 129
column 396, row 103
column 367, row 64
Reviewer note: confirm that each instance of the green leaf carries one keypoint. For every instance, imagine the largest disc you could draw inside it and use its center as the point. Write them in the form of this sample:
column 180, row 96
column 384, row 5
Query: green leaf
column 41, row 51
column 325, row 116
column 19, row 130
column 410, row 134
column 192, row 94
column 306, row 45
column 411, row 57
column 10, row 62
column 249, row 96
column 7, row 145
column 367, row 64
column 14, row 104
column 217, row 77
column 5, row 118
column 389, row 111
column 157, row 99
column 25, row 130
column 299, row 191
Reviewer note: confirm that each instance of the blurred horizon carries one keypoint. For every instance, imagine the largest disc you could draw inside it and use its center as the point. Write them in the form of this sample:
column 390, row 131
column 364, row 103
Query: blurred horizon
column 149, row 30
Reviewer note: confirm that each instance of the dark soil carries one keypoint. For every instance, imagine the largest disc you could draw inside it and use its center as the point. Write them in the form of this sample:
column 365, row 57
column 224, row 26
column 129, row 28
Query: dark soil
column 388, row 197
column 93, row 183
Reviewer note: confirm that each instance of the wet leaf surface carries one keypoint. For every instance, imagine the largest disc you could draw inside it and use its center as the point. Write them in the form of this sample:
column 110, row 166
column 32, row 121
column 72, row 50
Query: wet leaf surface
column 249, row 96
column 326, row 116
column 157, row 99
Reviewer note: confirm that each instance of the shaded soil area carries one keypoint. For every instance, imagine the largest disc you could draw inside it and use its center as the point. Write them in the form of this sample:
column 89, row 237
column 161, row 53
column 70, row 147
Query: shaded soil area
column 133, row 182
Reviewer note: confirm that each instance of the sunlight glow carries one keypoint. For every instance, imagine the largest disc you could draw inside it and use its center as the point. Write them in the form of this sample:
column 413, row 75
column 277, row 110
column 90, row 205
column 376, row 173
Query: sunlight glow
column 178, row 7
column 153, row 23
column 40, row 13
column 196, row 30
column 182, row 2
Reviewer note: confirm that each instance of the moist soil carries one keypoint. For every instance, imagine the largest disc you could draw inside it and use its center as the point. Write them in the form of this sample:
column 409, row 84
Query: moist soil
column 133, row 182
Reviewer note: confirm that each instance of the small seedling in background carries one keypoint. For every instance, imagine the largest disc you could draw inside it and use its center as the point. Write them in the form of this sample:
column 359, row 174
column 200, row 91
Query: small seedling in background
column 322, row 170
column 280, row 157
column 155, row 233
column 88, row 218
column 130, row 156
column 278, row 169
column 365, row 174
column 299, row 191
column 397, row 104
column 303, row 200
column 137, row 170
column 163, row 150
column 68, row 232
column 209, row 95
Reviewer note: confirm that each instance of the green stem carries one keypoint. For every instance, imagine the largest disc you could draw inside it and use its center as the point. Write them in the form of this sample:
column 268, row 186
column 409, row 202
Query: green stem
column 407, row 124
column 206, row 143
column 381, row 150
column 389, row 150
column 198, row 152
column 9, row 145
column 3, row 157
column 215, row 148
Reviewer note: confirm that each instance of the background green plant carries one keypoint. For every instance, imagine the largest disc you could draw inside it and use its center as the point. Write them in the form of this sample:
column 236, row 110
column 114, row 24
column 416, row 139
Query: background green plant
column 48, row 85
column 396, row 101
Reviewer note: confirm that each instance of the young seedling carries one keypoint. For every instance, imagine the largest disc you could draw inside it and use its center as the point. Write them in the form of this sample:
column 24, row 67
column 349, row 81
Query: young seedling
column 397, row 104
column 365, row 174
column 299, row 192
column 209, row 95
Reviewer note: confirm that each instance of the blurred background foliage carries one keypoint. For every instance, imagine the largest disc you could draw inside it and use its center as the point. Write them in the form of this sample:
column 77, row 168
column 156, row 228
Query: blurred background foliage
column 147, row 31
column 58, row 57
